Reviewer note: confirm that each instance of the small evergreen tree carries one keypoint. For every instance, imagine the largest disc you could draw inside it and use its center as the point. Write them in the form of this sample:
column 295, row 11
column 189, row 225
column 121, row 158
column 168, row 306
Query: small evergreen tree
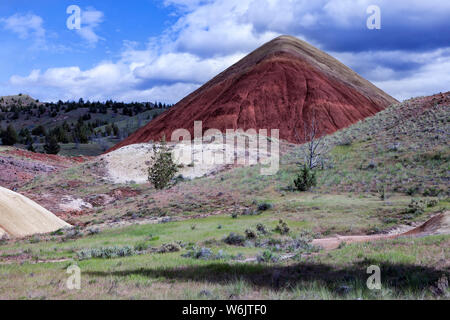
column 306, row 179
column 39, row 131
column 163, row 168
column 31, row 148
column 51, row 145
column 9, row 137
column 115, row 130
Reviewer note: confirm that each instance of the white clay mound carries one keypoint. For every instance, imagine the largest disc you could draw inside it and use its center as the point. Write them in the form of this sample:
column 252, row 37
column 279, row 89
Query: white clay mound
column 20, row 216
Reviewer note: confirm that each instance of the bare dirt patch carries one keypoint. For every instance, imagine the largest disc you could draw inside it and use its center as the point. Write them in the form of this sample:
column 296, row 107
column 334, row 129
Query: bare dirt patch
column 20, row 166
column 439, row 224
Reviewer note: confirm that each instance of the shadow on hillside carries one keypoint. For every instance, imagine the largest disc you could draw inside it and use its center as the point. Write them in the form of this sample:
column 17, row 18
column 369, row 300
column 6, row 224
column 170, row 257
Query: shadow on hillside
column 398, row 277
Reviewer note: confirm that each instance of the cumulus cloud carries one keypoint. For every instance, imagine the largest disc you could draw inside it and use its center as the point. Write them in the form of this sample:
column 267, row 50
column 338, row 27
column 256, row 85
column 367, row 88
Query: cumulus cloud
column 71, row 82
column 90, row 20
column 430, row 78
column 26, row 26
column 183, row 67
column 218, row 28
column 139, row 75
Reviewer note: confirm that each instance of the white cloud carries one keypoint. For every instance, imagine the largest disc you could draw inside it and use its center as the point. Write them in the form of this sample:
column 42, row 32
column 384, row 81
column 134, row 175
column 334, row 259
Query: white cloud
column 27, row 26
column 430, row 79
column 184, row 67
column 90, row 20
column 138, row 75
column 431, row 75
column 71, row 82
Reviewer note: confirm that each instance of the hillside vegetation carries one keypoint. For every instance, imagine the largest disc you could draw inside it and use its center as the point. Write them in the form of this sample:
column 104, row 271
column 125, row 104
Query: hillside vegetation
column 80, row 128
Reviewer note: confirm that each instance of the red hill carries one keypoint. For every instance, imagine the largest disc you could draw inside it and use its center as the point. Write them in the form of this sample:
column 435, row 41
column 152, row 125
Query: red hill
column 277, row 86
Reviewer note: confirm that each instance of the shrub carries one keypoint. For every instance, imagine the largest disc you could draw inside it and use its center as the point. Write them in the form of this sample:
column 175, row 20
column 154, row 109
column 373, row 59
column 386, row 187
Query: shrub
column 431, row 192
column 381, row 189
column 394, row 147
column 73, row 233
column 306, row 179
column 250, row 234
column 261, row 228
column 412, row 190
column 264, row 206
column 249, row 212
column 432, row 203
column 234, row 239
column 105, row 252
column 345, row 141
column 207, row 254
column 301, row 245
column 141, row 246
column 199, row 253
column 93, row 231
column 163, row 168
column 415, row 208
column 4, row 239
column 58, row 232
column 267, row 256
column 441, row 287
column 169, row 247
column 282, row 227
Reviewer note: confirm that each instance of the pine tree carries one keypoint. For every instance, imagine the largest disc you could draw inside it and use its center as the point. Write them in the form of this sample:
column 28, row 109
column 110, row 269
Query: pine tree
column 306, row 179
column 39, row 131
column 9, row 137
column 163, row 168
column 51, row 145
column 115, row 130
column 31, row 148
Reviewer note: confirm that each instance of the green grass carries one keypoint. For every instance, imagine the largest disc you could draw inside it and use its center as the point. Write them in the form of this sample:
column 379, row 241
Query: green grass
column 408, row 268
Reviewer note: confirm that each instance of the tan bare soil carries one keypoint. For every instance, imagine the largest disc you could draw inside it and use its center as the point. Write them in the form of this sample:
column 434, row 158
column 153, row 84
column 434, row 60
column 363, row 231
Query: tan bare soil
column 20, row 216
column 439, row 224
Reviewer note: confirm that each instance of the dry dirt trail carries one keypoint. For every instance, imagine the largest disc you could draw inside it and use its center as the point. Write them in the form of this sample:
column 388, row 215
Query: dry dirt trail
column 439, row 224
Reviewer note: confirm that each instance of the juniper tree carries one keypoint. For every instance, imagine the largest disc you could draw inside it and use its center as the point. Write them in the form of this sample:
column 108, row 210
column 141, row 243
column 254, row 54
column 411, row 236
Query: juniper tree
column 163, row 168
column 306, row 179
column 9, row 136
column 31, row 148
column 51, row 145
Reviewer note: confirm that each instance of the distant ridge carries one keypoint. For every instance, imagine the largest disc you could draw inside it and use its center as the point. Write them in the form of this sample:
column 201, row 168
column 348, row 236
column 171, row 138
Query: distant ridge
column 18, row 99
column 278, row 86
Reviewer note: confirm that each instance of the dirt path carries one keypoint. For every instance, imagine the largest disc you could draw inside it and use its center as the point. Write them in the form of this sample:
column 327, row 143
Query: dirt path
column 439, row 224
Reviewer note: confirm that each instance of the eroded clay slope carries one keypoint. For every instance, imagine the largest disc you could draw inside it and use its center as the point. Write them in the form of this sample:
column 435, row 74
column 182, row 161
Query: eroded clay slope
column 278, row 86
column 20, row 216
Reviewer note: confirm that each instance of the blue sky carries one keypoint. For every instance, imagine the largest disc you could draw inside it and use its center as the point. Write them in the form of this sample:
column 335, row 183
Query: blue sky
column 146, row 50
